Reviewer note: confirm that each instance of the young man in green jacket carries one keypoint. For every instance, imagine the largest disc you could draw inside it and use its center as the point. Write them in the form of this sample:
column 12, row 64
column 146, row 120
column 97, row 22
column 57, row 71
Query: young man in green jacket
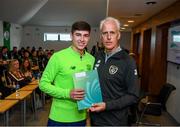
column 57, row 78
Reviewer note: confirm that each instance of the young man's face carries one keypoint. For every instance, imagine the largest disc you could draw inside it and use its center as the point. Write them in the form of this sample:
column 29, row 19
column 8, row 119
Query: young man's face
column 110, row 36
column 80, row 39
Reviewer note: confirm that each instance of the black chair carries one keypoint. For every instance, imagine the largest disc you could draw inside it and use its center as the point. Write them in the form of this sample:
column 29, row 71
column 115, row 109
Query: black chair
column 156, row 106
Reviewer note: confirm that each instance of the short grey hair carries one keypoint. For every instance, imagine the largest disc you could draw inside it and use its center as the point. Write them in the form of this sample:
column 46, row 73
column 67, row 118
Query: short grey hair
column 117, row 22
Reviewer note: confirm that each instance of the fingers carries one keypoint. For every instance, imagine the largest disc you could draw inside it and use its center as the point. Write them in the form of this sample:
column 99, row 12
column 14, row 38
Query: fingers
column 77, row 94
column 78, row 97
column 97, row 107
column 94, row 108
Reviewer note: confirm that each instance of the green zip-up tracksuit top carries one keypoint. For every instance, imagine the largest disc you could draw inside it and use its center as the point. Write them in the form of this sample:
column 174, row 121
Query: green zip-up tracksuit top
column 57, row 81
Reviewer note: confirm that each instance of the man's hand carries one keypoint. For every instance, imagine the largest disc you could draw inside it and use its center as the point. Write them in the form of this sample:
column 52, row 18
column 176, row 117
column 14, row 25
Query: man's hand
column 98, row 107
column 77, row 94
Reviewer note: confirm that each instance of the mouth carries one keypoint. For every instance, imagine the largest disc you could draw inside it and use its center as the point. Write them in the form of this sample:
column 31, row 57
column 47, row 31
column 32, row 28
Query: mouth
column 108, row 43
column 81, row 44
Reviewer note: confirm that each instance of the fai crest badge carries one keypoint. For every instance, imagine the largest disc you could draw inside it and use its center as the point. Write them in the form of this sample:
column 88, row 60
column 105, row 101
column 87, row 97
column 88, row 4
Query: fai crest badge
column 113, row 69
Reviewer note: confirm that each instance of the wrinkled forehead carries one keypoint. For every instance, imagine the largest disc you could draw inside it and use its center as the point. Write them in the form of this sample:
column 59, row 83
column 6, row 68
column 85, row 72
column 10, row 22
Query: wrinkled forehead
column 109, row 26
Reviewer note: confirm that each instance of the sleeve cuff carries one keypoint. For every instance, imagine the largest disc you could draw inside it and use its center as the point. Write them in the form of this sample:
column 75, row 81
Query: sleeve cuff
column 67, row 93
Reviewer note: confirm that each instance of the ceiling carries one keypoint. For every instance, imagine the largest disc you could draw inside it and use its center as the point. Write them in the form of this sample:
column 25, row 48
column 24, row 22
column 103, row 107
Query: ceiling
column 65, row 12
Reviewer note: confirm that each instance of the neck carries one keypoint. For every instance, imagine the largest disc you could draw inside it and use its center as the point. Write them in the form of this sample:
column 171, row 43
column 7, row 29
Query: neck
column 81, row 52
column 111, row 51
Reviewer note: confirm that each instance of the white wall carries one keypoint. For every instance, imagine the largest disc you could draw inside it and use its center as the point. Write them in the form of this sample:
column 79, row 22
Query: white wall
column 15, row 35
column 173, row 77
column 1, row 33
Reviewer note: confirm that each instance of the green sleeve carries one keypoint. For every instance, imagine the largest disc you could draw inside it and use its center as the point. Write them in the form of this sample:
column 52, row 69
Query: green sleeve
column 49, row 74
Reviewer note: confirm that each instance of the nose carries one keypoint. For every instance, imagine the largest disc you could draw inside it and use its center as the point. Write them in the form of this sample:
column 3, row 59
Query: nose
column 108, row 36
column 82, row 38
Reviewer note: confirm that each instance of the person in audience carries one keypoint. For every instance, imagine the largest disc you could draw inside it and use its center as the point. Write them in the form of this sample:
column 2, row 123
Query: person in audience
column 35, row 64
column 21, row 52
column 14, row 53
column 26, row 69
column 29, row 50
column 118, row 78
column 46, row 58
column 57, row 78
column 34, row 58
column 26, row 54
column 4, row 90
column 4, row 55
column 3, row 66
column 33, row 48
column 41, row 59
column 15, row 76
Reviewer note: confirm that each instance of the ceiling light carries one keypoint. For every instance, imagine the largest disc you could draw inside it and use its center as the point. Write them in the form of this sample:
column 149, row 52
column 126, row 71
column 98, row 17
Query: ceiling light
column 125, row 25
column 130, row 21
column 122, row 28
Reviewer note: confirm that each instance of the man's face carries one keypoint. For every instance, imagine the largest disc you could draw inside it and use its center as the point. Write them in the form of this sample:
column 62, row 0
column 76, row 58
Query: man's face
column 80, row 39
column 110, row 36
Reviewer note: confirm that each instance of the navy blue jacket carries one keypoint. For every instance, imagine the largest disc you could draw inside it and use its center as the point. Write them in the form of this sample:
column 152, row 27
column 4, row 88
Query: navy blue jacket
column 120, row 88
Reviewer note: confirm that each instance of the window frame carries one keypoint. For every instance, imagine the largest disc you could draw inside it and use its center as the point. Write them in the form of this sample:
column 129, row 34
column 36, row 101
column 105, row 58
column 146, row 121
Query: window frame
column 59, row 37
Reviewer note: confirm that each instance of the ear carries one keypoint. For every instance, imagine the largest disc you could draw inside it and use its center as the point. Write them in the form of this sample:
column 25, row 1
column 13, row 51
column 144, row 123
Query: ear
column 119, row 36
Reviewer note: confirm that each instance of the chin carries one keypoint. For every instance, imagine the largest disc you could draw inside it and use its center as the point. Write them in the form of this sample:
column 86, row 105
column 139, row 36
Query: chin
column 80, row 48
column 108, row 47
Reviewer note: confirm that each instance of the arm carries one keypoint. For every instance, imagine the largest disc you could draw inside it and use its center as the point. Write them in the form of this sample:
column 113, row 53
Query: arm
column 46, row 84
column 49, row 74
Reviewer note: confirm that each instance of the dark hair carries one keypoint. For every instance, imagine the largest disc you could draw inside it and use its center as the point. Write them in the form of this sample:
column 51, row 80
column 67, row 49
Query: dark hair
column 80, row 25
column 28, row 68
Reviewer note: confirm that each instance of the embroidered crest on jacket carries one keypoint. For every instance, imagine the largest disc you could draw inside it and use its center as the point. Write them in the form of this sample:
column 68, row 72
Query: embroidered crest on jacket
column 113, row 69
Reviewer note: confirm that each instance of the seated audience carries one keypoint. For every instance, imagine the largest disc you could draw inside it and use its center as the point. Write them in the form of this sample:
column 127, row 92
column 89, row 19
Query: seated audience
column 15, row 76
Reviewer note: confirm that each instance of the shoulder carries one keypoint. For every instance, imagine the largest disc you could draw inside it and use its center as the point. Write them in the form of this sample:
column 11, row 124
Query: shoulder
column 130, row 62
column 123, row 57
column 89, row 56
column 60, row 53
column 66, row 50
column 99, row 54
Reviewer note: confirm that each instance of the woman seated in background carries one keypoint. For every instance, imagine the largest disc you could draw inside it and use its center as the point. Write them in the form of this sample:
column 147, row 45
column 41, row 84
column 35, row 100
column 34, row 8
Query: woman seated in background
column 5, row 89
column 26, row 69
column 15, row 76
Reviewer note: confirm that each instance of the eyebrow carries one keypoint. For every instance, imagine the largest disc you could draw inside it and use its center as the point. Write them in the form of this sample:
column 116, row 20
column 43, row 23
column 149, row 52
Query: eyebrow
column 87, row 34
